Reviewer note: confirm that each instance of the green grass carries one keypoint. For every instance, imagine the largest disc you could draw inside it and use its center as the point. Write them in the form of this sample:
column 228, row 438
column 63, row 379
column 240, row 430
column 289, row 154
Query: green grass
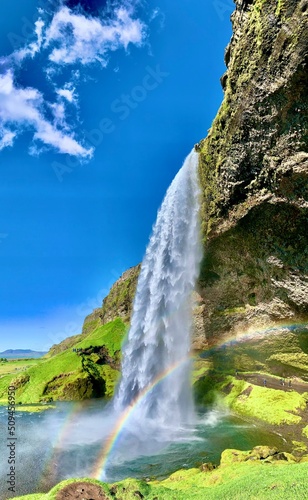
column 111, row 335
column 240, row 481
column 270, row 405
column 64, row 371
column 16, row 365
column 34, row 408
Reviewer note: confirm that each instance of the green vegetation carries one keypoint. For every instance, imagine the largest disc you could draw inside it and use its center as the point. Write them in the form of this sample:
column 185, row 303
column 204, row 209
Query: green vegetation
column 34, row 408
column 273, row 406
column 298, row 361
column 299, row 446
column 111, row 377
column 110, row 335
column 90, row 326
column 270, row 405
column 241, row 481
column 118, row 302
column 200, row 369
column 63, row 346
column 281, row 4
column 282, row 354
column 16, row 365
column 68, row 375
column 241, row 476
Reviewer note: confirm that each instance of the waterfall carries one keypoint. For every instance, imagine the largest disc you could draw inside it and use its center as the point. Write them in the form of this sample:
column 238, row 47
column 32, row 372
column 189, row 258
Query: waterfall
column 156, row 364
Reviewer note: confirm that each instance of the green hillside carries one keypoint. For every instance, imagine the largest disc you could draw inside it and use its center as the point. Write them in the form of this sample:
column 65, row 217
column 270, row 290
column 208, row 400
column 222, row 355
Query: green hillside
column 88, row 368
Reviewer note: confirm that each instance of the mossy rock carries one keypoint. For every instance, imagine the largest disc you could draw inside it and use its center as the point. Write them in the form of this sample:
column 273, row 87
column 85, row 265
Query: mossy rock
column 230, row 456
column 20, row 381
column 305, row 431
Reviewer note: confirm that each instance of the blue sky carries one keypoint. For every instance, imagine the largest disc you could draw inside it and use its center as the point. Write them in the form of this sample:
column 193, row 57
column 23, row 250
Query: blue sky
column 99, row 104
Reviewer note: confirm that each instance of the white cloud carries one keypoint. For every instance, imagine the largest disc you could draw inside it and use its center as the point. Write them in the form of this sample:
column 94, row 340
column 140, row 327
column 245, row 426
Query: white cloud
column 33, row 48
column 23, row 107
column 67, row 93
column 68, row 38
column 6, row 138
column 87, row 39
column 158, row 14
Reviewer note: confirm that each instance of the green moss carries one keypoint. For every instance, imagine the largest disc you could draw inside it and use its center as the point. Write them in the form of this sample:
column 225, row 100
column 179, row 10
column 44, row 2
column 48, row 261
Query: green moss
column 269, row 405
column 305, row 431
column 232, row 310
column 111, row 378
column 299, row 446
column 298, row 360
column 90, row 326
column 200, row 369
column 258, row 5
column 230, row 456
column 281, row 5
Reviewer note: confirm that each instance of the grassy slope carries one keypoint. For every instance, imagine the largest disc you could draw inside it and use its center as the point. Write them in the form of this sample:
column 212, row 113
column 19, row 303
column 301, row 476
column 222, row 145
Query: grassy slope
column 66, row 363
column 270, row 405
column 240, row 481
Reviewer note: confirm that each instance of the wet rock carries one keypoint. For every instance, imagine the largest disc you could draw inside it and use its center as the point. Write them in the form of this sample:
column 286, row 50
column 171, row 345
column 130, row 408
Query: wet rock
column 207, row 467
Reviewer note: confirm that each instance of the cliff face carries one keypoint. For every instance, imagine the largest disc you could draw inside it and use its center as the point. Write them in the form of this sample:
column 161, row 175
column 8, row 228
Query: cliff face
column 257, row 145
column 117, row 304
column 253, row 172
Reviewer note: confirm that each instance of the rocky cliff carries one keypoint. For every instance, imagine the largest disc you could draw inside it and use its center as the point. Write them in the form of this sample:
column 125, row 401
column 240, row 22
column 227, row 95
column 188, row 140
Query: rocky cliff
column 253, row 171
column 118, row 303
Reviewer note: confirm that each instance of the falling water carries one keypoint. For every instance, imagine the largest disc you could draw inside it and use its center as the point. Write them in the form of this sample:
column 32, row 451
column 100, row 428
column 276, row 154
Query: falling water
column 158, row 341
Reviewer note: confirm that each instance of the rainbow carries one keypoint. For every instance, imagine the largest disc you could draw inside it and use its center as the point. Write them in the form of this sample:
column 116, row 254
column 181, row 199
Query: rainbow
column 101, row 461
column 78, row 407
column 251, row 334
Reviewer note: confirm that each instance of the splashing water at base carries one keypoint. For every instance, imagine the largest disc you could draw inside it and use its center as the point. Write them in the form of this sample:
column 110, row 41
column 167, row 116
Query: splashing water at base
column 156, row 367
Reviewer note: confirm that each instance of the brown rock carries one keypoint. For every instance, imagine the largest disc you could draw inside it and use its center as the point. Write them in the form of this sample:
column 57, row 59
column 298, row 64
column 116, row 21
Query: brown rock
column 81, row 491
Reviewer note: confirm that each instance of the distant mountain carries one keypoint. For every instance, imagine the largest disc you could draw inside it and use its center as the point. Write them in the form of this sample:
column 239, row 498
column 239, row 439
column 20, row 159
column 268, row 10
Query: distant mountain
column 21, row 353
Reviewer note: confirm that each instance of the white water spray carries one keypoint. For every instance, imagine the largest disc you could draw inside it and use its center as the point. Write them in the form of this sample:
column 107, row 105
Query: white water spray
column 159, row 338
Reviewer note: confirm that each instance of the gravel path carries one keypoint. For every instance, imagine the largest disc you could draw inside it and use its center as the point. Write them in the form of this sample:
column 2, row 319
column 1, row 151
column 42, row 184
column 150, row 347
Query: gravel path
column 289, row 384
